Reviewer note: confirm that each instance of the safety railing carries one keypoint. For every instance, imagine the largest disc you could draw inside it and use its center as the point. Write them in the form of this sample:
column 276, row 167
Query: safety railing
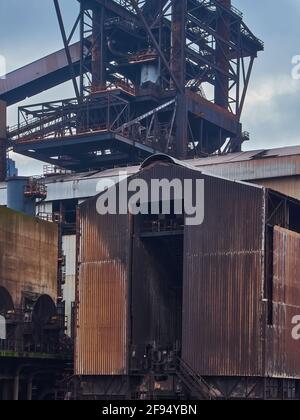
column 15, row 346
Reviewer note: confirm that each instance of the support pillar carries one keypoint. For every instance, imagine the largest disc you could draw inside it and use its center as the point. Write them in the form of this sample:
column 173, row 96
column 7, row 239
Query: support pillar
column 178, row 68
column 222, row 55
column 3, row 161
column 99, row 50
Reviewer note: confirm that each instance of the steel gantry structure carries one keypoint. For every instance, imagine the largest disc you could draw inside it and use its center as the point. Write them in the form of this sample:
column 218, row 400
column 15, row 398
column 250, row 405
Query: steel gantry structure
column 149, row 76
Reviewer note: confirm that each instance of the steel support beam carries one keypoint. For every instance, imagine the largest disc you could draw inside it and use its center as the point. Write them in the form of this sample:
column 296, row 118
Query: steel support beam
column 67, row 49
column 178, row 67
column 223, row 55
column 98, row 50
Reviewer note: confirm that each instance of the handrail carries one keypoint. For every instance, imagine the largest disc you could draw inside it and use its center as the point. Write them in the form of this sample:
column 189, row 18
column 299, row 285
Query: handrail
column 199, row 382
column 35, row 348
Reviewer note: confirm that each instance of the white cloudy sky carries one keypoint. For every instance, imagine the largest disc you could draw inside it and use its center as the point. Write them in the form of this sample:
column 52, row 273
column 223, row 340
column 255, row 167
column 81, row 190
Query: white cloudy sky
column 29, row 30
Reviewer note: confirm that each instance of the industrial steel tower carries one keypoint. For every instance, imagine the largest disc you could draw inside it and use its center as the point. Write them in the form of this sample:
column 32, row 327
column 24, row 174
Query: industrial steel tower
column 149, row 76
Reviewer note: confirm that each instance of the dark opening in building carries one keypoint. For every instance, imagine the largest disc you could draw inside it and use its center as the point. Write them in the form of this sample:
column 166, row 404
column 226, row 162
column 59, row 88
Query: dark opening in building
column 157, row 285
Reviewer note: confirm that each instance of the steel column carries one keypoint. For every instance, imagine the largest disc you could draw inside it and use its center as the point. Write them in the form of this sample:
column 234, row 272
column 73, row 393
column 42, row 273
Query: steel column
column 98, row 50
column 3, row 160
column 222, row 56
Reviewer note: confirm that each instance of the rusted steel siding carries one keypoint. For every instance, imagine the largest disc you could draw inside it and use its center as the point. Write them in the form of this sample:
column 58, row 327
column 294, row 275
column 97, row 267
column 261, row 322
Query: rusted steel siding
column 102, row 294
column 223, row 279
column 224, row 331
column 289, row 185
column 283, row 352
column 223, row 283
column 28, row 255
column 253, row 168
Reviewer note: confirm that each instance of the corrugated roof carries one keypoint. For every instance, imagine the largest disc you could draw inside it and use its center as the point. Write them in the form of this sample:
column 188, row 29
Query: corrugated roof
column 192, row 163
column 247, row 156
column 244, row 166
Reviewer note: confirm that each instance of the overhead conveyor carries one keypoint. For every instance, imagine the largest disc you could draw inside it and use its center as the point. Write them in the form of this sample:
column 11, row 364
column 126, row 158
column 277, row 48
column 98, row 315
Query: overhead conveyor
column 39, row 76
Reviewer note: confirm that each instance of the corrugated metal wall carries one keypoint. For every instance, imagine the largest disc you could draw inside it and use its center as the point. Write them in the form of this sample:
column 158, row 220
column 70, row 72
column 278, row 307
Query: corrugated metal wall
column 102, row 313
column 223, row 279
column 224, row 317
column 223, row 283
column 28, row 255
column 283, row 352
column 157, row 279
column 288, row 185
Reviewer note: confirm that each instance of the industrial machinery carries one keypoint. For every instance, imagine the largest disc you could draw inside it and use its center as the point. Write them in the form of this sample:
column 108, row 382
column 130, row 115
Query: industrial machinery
column 154, row 76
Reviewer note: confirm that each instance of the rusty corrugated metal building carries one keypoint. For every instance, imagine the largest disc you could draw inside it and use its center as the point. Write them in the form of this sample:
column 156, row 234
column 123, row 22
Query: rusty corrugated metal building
column 32, row 356
column 28, row 255
column 215, row 301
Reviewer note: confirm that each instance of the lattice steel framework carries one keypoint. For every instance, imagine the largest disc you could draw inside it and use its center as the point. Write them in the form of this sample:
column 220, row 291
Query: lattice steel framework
column 185, row 64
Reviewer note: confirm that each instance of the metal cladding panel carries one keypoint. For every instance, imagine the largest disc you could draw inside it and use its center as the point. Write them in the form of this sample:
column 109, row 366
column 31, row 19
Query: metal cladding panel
column 28, row 255
column 283, row 351
column 102, row 294
column 289, row 185
column 256, row 169
column 102, row 327
column 223, row 277
column 223, row 314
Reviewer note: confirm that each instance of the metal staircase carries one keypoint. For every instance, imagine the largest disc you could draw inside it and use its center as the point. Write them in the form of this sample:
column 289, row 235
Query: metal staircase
column 196, row 384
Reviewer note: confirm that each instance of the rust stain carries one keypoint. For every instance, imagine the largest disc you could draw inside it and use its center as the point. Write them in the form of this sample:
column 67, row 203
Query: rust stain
column 102, row 294
column 28, row 255
column 283, row 353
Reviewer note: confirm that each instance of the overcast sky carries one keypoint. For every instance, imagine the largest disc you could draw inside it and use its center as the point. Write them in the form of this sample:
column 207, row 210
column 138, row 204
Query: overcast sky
column 29, row 30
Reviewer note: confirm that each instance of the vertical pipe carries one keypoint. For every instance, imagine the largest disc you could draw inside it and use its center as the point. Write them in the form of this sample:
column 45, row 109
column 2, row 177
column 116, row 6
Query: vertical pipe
column 3, row 161
column 178, row 50
column 98, row 52
column 222, row 55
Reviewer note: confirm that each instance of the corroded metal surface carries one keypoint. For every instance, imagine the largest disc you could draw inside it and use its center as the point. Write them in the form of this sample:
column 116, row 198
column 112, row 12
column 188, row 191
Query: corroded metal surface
column 222, row 288
column 102, row 294
column 28, row 255
column 283, row 350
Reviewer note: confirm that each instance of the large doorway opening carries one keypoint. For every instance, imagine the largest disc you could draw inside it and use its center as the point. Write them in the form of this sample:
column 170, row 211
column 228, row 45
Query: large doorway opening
column 157, row 284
